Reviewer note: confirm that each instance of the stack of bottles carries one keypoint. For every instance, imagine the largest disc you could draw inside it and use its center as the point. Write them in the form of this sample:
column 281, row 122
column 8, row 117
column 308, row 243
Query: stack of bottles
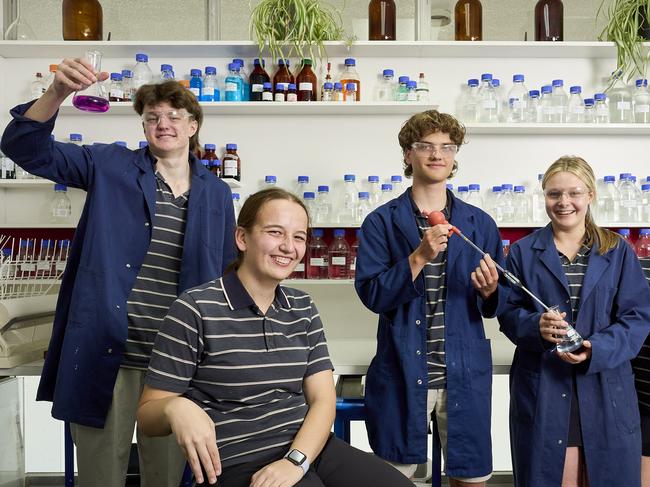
column 404, row 89
column 228, row 167
column 34, row 259
column 486, row 101
column 334, row 261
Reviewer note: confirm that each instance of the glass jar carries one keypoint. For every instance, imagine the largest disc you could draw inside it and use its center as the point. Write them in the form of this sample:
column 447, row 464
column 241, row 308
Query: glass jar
column 549, row 20
column 82, row 20
column 468, row 20
column 382, row 17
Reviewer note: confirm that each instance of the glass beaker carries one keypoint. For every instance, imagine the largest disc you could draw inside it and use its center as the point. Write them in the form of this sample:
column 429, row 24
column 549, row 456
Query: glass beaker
column 94, row 98
column 572, row 340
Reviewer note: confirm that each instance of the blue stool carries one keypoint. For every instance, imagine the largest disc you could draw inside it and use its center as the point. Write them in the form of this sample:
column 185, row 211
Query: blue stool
column 348, row 410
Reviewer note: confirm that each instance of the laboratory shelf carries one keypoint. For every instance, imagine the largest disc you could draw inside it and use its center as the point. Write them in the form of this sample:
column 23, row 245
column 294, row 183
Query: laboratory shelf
column 38, row 225
column 249, row 49
column 557, row 129
column 32, row 183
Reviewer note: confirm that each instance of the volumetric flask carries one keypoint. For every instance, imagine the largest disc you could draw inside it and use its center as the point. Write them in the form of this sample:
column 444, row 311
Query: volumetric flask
column 94, row 98
column 572, row 340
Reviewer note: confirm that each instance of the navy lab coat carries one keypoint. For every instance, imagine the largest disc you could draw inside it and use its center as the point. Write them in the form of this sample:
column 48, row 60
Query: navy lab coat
column 396, row 384
column 109, row 246
column 614, row 315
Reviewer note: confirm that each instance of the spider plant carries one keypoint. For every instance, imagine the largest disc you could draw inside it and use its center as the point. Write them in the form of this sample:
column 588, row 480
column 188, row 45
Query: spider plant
column 627, row 24
column 288, row 27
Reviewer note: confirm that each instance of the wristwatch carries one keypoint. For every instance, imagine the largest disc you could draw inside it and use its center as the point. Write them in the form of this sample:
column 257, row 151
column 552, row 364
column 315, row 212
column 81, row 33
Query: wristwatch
column 299, row 459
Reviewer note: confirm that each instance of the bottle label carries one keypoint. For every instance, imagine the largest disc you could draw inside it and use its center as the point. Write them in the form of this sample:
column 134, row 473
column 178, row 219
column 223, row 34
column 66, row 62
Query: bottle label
column 517, row 104
column 300, row 267
column 116, row 93
column 353, row 265
column 578, row 110
column 196, row 91
column 623, row 105
column 60, row 266
column 27, row 267
column 43, row 265
column 61, row 213
column 305, row 86
column 317, row 262
column 230, row 167
column 267, row 96
column 257, row 88
column 279, row 96
column 642, row 108
column 412, row 96
column 232, row 87
column 339, row 261
column 292, row 97
column 327, row 96
column 489, row 103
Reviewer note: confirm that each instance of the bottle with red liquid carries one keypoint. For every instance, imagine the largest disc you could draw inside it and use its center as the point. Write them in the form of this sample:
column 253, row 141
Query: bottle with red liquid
column 307, row 82
column 210, row 152
column 94, row 98
column 258, row 77
column 468, row 20
column 549, row 20
column 231, row 165
column 283, row 75
column 299, row 271
column 354, row 248
column 317, row 256
column 339, row 256
column 624, row 233
column 643, row 244
column 505, row 244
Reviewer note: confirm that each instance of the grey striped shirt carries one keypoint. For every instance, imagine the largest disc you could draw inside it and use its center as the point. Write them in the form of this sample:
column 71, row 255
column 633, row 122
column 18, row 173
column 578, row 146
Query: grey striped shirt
column 156, row 286
column 435, row 282
column 641, row 363
column 244, row 368
column 575, row 273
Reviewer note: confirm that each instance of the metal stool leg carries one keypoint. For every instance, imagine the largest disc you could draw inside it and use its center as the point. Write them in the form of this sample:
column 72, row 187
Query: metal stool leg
column 436, row 463
column 68, row 449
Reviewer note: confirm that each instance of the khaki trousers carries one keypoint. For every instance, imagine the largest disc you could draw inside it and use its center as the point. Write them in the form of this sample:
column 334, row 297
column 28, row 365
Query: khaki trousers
column 103, row 454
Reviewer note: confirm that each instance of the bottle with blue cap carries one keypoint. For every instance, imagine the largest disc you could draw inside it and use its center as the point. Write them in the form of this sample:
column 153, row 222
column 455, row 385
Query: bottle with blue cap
column 645, row 201
column 538, row 203
column 142, row 74
column 493, row 204
column 468, row 103
column 350, row 75
column 324, row 211
column 507, row 203
column 474, row 195
column 398, row 185
column 234, row 83
column 412, row 91
column 463, row 192
column 501, row 101
column 624, row 233
column 115, row 90
column 166, row 72
column 522, row 205
column 60, row 206
column 246, row 87
column 590, row 110
column 210, row 85
column 142, row 144
column 236, row 204
column 196, row 83
column 576, row 113
column 363, row 206
column 337, row 94
column 560, row 102
column 300, row 186
column 76, row 139
column 643, row 244
column 270, row 181
column 533, row 112
column 45, row 263
column 231, row 165
column 350, row 94
column 309, row 198
column 374, row 190
column 349, row 201
column 317, row 259
column 386, row 193
column 517, row 100
column 127, row 84
column 488, row 109
column 630, row 199
column 258, row 77
column 546, row 108
column 641, row 102
column 610, row 201
column 267, row 93
column 338, row 255
column 354, row 250
column 601, row 108
column 402, row 88
column 328, row 92
column 620, row 100
column 386, row 88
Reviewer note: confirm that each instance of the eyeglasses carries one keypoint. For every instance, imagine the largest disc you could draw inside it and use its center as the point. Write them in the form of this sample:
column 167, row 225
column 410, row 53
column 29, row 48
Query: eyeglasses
column 429, row 149
column 573, row 194
column 152, row 119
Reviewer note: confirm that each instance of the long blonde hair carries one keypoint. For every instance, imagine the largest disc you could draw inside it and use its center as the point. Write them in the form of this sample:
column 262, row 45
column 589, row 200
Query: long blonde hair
column 606, row 239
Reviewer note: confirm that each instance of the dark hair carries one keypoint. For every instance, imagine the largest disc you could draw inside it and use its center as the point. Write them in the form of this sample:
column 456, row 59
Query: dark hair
column 251, row 209
column 177, row 96
column 425, row 123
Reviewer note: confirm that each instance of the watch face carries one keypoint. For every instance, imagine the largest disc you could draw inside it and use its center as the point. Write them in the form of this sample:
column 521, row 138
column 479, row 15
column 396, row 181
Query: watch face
column 296, row 457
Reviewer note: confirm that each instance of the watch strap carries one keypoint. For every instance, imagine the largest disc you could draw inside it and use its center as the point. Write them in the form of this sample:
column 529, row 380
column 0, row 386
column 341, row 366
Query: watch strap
column 304, row 465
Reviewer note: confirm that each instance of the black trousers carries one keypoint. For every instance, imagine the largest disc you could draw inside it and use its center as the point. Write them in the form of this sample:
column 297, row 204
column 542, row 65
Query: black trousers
column 338, row 465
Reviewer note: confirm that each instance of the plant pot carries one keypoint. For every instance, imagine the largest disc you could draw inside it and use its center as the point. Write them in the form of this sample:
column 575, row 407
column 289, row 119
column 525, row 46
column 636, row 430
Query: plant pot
column 644, row 28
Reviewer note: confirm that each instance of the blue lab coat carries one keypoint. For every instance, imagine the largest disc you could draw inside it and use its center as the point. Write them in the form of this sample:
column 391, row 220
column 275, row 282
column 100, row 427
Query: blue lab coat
column 614, row 315
column 396, row 384
column 109, row 246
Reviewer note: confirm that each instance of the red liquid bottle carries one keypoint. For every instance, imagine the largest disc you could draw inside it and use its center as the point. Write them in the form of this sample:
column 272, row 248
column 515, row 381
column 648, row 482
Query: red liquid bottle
column 339, row 256
column 354, row 248
column 549, row 20
column 299, row 271
column 317, row 256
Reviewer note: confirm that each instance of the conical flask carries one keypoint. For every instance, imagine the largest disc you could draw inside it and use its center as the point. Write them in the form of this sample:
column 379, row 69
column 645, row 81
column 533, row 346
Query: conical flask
column 94, row 98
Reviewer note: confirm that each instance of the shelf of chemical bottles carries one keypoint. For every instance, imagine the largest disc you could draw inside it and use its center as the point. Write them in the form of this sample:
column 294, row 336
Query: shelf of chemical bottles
column 521, row 225
column 249, row 49
column 23, row 225
column 278, row 109
column 31, row 183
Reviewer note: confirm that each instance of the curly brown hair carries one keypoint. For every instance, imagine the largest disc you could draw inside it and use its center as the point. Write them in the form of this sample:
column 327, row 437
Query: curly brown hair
column 424, row 123
column 177, row 96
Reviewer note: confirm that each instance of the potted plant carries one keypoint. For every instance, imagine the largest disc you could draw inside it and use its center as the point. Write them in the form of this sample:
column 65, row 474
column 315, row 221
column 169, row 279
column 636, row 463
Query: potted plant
column 298, row 24
column 627, row 26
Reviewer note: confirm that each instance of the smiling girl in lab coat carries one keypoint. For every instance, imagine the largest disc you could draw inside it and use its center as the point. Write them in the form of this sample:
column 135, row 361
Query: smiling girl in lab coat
column 574, row 419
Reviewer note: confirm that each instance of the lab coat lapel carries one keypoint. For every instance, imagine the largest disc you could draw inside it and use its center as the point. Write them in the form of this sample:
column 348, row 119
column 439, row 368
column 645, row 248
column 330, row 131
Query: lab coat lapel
column 597, row 266
column 404, row 220
column 549, row 256
column 147, row 181
column 463, row 220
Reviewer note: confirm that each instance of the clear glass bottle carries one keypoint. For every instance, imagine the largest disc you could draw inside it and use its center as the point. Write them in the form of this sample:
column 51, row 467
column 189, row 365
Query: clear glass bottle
column 49, row 79
column 507, row 203
column 468, row 20
column 309, row 197
column 301, row 186
column 645, row 202
column 325, row 213
column 236, row 204
column 142, row 74
column 522, row 205
column 363, row 207
column 382, row 20
column 127, row 84
column 385, row 90
column 538, row 203
column 350, row 94
column 398, row 185
column 546, row 108
column 620, row 101
column 517, row 100
column 36, row 86
column 560, row 102
column 534, row 108
column 601, row 108
column 642, row 102
column 270, row 181
column 211, row 90
column 60, row 206
column 612, row 201
column 576, row 113
column 116, row 90
column 422, row 89
column 402, row 89
column 474, row 196
column 386, row 193
column 349, row 200
column 463, row 192
column 630, row 209
column 166, row 73
column 590, row 110
column 328, row 92
column 374, row 190
column 549, row 20
column 317, row 262
column 502, row 106
column 338, row 256
column 488, row 110
column 495, row 208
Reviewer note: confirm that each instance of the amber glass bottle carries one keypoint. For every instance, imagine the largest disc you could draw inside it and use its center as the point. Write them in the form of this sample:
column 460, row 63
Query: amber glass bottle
column 549, row 20
column 307, row 82
column 468, row 19
column 382, row 17
column 82, row 20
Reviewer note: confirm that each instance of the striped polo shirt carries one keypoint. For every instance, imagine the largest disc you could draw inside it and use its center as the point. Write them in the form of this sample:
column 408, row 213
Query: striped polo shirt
column 156, row 286
column 435, row 281
column 641, row 364
column 243, row 367
column 575, row 273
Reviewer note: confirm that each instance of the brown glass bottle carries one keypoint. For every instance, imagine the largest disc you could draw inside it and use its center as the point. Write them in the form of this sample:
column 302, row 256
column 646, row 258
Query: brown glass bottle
column 549, row 20
column 468, row 20
column 382, row 15
column 282, row 75
column 82, row 20
column 306, row 82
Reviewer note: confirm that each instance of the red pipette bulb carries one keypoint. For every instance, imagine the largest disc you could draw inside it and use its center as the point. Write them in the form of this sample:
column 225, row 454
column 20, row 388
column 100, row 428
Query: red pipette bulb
column 438, row 218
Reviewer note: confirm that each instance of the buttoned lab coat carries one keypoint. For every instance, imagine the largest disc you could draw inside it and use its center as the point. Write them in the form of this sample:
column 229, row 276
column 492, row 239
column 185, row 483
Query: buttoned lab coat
column 109, row 246
column 396, row 384
column 614, row 315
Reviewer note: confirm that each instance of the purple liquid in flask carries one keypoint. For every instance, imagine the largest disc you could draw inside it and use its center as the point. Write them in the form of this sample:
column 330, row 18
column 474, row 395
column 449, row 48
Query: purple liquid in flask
column 94, row 98
column 89, row 103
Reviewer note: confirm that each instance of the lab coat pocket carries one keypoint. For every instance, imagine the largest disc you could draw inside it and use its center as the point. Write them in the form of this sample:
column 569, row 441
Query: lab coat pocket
column 83, row 306
column 524, row 392
column 624, row 403
column 480, row 361
column 212, row 224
